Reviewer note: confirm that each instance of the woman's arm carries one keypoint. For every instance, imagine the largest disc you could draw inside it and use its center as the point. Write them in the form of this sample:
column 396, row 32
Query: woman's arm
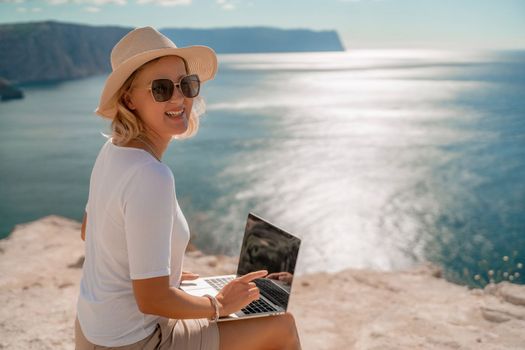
column 154, row 296
column 83, row 229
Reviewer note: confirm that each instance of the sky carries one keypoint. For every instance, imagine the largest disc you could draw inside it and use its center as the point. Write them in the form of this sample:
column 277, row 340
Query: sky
column 494, row 24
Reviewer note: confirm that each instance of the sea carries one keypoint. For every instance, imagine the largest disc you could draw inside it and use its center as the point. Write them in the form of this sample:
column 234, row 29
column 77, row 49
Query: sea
column 378, row 159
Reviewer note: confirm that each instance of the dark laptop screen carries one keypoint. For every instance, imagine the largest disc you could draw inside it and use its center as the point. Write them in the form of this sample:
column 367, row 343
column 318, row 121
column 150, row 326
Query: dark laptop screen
column 267, row 247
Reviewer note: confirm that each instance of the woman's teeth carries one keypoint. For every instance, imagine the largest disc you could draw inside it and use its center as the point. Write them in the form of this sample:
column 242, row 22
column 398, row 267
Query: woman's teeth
column 174, row 114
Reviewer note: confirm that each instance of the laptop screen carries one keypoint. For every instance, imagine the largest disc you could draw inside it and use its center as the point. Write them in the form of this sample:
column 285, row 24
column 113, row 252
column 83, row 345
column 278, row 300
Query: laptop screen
column 267, row 247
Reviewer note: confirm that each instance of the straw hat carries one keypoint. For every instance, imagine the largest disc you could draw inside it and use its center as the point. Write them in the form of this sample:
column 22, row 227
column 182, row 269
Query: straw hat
column 142, row 45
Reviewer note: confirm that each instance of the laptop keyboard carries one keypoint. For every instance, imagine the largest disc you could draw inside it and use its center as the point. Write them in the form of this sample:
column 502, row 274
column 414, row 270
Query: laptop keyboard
column 255, row 307
column 272, row 292
column 258, row 306
column 220, row 282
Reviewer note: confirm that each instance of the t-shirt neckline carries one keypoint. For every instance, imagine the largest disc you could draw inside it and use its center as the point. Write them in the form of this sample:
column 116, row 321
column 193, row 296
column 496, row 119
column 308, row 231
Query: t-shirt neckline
column 132, row 148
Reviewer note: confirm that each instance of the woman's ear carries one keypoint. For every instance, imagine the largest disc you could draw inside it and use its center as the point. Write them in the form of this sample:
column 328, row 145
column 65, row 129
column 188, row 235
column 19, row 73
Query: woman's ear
column 126, row 98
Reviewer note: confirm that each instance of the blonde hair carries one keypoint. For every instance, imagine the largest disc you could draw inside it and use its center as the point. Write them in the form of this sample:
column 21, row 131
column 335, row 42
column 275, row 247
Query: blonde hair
column 126, row 126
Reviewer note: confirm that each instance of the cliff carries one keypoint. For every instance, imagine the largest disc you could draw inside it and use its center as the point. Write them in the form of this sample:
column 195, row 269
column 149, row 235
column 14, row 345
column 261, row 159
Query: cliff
column 40, row 269
column 50, row 51
column 257, row 39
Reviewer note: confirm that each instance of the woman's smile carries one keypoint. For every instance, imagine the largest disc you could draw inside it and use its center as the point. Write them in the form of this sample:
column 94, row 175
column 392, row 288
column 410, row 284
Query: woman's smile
column 175, row 113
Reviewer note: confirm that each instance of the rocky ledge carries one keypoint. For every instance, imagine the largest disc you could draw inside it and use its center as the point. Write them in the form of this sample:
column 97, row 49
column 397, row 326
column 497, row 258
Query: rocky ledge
column 8, row 91
column 40, row 269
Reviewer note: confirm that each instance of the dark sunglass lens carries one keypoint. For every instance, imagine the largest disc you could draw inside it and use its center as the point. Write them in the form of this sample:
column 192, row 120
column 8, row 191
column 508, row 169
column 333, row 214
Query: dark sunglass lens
column 162, row 89
column 190, row 86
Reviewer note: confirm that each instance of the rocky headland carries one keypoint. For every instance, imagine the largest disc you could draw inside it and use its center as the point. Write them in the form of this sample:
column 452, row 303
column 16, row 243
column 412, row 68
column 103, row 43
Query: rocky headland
column 55, row 51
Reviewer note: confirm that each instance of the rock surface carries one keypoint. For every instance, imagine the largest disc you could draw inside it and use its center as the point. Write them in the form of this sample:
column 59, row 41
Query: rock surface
column 8, row 91
column 40, row 270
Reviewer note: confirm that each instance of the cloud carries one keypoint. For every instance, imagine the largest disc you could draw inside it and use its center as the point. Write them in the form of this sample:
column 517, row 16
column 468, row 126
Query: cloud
column 95, row 6
column 79, row 2
column 26, row 10
column 166, row 2
column 101, row 2
column 92, row 9
column 92, row 4
column 226, row 4
column 361, row 0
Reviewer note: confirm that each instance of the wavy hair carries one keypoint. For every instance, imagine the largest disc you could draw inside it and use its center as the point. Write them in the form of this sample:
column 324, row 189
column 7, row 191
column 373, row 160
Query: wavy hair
column 126, row 126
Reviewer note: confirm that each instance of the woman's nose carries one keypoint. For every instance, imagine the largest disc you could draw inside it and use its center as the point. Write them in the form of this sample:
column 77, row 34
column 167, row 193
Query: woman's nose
column 176, row 97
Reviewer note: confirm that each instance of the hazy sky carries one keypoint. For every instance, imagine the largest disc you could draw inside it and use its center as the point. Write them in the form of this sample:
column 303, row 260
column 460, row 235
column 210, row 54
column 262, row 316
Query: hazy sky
column 360, row 23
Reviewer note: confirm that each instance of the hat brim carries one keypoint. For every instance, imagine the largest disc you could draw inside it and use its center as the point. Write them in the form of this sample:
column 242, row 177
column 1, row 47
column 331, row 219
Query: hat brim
column 200, row 60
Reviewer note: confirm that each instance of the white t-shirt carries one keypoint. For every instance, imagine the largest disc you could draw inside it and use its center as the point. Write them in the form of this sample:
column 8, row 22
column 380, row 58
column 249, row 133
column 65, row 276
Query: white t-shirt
column 135, row 230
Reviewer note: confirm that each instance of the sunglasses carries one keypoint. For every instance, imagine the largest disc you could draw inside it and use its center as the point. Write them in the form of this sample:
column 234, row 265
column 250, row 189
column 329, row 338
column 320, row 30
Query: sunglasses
column 162, row 89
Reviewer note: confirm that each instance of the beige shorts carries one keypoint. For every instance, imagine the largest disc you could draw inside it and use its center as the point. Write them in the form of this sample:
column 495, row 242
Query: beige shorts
column 170, row 334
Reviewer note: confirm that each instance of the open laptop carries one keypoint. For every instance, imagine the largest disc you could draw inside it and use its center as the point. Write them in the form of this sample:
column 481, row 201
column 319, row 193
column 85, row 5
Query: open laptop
column 264, row 247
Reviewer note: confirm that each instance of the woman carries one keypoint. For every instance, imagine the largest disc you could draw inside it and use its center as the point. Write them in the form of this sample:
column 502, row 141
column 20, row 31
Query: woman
column 136, row 234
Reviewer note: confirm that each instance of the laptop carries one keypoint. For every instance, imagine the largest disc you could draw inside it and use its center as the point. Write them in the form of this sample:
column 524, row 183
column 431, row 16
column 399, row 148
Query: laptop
column 264, row 247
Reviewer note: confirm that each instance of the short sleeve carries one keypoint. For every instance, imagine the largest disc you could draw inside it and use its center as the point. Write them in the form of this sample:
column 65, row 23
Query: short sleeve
column 148, row 206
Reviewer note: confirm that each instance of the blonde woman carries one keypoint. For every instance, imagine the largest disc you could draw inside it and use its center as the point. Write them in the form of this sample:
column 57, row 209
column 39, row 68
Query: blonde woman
column 134, row 229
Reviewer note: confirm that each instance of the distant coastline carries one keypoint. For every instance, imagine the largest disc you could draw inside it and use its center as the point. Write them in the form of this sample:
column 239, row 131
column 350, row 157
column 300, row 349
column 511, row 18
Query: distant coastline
column 55, row 51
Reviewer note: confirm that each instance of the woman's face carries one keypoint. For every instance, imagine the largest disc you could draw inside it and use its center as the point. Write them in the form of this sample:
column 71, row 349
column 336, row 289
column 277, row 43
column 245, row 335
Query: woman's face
column 153, row 113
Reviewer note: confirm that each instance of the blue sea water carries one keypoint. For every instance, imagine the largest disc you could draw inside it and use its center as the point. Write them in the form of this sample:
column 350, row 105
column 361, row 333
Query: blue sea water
column 375, row 158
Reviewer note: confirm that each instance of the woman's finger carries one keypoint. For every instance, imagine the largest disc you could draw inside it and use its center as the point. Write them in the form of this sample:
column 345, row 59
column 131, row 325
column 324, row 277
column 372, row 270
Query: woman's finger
column 252, row 276
column 189, row 276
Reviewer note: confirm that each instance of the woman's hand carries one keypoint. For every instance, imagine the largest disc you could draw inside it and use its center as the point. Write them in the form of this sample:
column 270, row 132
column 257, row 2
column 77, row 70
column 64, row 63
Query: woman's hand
column 188, row 276
column 284, row 276
column 239, row 293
